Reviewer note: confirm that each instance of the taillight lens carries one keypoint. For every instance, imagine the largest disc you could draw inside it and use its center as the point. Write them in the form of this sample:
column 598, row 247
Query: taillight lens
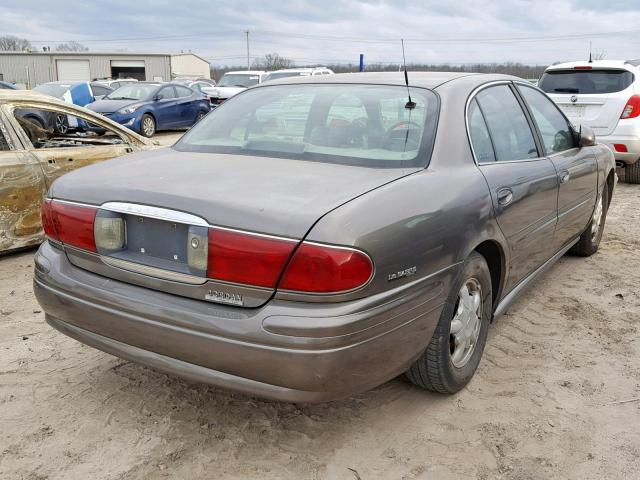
column 317, row 268
column 47, row 220
column 69, row 224
column 632, row 108
column 247, row 258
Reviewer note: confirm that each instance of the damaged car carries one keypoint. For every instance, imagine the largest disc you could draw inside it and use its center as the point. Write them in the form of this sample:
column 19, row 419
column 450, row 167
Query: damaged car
column 33, row 156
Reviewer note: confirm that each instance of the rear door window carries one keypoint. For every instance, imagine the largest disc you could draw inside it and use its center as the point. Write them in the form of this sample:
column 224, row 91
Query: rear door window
column 585, row 81
column 508, row 126
column 184, row 91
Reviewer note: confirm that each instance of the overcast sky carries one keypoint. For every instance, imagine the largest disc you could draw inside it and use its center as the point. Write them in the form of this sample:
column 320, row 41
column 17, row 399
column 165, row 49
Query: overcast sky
column 337, row 31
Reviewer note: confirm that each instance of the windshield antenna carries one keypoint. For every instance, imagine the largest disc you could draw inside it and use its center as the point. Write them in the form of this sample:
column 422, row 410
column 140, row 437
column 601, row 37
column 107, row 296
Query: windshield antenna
column 410, row 104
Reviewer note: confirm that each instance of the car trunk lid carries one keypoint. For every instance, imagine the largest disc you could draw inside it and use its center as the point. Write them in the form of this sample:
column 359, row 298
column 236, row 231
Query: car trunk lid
column 166, row 198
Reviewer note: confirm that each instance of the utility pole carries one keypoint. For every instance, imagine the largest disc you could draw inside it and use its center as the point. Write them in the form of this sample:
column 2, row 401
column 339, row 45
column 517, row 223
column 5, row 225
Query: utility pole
column 248, row 58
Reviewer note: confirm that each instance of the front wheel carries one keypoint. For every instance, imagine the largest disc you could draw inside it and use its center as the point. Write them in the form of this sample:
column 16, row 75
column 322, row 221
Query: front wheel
column 454, row 352
column 147, row 125
column 590, row 239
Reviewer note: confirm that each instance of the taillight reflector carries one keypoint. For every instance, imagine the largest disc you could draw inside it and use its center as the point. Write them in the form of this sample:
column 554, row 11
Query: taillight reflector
column 317, row 268
column 620, row 147
column 632, row 108
column 69, row 224
column 247, row 258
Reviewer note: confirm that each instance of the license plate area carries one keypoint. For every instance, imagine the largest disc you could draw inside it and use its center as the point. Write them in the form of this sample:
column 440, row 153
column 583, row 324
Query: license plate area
column 161, row 244
column 575, row 111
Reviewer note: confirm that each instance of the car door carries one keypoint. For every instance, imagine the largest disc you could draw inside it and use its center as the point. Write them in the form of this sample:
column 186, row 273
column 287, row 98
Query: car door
column 577, row 167
column 523, row 183
column 58, row 154
column 187, row 103
column 166, row 109
column 22, row 188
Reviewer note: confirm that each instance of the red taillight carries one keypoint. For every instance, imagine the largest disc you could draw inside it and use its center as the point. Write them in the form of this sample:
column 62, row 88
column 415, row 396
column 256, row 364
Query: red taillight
column 620, row 147
column 47, row 220
column 247, row 258
column 317, row 268
column 632, row 108
column 583, row 68
column 69, row 224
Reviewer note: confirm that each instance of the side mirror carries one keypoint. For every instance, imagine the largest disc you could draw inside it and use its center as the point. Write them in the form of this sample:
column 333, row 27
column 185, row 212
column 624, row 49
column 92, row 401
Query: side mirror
column 586, row 137
column 157, row 98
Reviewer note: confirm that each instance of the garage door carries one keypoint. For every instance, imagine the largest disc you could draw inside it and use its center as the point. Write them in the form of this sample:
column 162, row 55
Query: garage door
column 73, row 70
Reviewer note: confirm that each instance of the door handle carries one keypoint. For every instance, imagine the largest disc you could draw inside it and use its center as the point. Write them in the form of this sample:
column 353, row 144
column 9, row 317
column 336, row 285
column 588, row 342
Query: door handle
column 505, row 196
column 564, row 176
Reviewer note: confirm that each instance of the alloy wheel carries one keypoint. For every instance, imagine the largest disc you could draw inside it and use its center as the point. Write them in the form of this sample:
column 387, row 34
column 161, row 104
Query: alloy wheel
column 596, row 220
column 466, row 323
column 61, row 124
column 148, row 126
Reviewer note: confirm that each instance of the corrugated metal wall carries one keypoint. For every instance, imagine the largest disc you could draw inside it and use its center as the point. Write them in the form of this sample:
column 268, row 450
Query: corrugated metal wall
column 42, row 67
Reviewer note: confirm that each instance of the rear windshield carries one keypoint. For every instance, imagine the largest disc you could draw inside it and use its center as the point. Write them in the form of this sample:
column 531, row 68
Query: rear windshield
column 366, row 125
column 585, row 81
column 238, row 80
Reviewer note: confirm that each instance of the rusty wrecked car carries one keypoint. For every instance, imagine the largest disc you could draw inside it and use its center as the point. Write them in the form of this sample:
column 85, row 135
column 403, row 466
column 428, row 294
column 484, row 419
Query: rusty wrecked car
column 33, row 155
column 314, row 237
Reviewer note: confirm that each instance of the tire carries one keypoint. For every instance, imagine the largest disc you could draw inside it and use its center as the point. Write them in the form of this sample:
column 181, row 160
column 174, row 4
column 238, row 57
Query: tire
column 36, row 121
column 590, row 239
column 147, row 126
column 200, row 116
column 632, row 173
column 443, row 367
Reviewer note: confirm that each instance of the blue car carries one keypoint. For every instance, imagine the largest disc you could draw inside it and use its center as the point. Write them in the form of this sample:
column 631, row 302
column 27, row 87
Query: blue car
column 147, row 107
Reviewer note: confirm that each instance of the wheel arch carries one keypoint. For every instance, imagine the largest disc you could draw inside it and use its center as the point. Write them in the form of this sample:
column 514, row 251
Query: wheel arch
column 493, row 254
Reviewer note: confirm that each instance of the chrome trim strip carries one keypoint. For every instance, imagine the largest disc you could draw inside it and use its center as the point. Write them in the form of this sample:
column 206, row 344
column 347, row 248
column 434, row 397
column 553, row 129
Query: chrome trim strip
column 158, row 213
column 153, row 271
column 255, row 234
column 513, row 295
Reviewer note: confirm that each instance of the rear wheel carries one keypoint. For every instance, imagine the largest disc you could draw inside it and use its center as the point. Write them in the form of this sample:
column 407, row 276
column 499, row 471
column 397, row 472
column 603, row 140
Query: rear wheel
column 453, row 355
column 590, row 239
column 200, row 116
column 632, row 173
column 147, row 125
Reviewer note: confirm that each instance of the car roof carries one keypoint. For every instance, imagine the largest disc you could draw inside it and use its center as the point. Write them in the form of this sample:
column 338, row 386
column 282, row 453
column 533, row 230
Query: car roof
column 601, row 64
column 429, row 80
column 247, row 72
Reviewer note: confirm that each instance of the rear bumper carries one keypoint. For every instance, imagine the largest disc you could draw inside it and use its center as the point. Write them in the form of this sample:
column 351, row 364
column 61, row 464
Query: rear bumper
column 330, row 351
column 627, row 133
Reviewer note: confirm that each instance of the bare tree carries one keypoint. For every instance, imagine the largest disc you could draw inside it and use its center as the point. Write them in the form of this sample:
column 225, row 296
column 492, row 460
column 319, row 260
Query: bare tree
column 72, row 46
column 9, row 43
column 272, row 61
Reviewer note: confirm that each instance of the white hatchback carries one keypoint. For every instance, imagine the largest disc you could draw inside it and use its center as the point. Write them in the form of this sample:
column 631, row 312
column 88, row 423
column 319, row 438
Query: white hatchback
column 604, row 95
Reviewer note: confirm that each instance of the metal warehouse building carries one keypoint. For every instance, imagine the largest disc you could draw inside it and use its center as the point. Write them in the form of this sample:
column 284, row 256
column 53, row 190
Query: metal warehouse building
column 33, row 68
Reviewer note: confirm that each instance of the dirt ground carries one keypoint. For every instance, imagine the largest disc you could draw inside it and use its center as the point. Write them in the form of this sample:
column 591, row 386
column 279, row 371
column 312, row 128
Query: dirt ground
column 557, row 395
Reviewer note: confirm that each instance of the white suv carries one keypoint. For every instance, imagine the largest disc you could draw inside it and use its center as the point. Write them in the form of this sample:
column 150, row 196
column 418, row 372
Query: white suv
column 604, row 95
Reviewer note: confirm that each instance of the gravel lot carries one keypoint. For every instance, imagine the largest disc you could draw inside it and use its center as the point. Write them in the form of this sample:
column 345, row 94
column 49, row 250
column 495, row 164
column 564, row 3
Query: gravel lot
column 557, row 395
